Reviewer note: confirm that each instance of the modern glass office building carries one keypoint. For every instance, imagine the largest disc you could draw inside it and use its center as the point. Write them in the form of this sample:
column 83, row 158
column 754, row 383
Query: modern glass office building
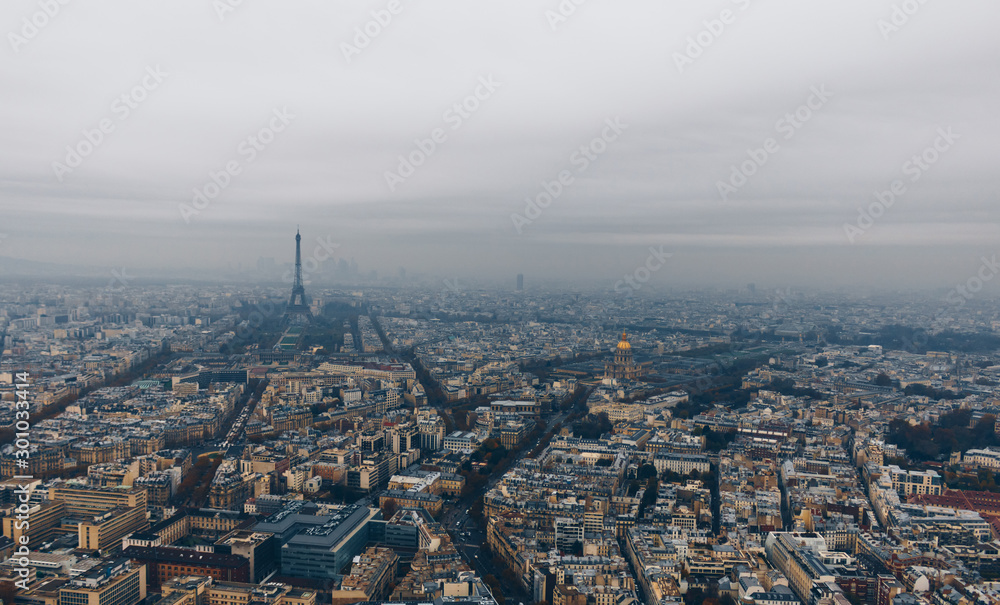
column 325, row 550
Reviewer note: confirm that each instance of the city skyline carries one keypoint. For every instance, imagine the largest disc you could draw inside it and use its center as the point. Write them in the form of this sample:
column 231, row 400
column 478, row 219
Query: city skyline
column 928, row 271
column 508, row 302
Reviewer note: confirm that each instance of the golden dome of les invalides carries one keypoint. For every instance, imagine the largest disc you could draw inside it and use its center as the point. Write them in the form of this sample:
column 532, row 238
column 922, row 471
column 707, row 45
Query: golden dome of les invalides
column 622, row 366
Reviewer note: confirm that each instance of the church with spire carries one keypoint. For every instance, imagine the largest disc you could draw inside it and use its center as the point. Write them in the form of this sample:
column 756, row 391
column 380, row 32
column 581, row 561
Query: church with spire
column 623, row 366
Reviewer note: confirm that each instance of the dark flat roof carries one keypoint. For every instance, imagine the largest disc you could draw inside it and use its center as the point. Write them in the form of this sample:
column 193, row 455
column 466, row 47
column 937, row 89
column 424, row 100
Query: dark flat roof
column 184, row 555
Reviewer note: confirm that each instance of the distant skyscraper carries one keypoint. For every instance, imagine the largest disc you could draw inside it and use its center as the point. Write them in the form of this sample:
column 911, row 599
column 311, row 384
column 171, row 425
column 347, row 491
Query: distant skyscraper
column 520, row 281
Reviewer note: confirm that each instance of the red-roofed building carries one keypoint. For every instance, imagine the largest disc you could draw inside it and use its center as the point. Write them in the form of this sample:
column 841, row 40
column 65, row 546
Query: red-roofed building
column 987, row 504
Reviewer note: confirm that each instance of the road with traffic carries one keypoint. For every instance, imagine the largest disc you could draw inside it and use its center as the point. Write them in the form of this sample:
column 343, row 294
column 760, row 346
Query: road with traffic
column 470, row 538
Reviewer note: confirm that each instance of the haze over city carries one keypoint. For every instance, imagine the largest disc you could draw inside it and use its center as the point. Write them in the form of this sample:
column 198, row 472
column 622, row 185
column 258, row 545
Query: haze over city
column 185, row 89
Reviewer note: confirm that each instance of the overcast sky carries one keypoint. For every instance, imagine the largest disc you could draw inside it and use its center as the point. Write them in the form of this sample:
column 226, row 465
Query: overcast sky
column 689, row 86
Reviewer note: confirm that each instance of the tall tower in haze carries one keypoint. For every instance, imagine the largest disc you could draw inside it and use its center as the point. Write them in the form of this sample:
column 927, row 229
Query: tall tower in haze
column 298, row 290
column 520, row 282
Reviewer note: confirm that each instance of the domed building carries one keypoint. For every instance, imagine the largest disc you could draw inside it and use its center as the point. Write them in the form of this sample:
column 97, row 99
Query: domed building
column 622, row 367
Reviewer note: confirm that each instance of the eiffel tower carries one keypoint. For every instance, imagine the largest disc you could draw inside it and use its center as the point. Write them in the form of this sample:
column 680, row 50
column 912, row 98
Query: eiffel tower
column 298, row 290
